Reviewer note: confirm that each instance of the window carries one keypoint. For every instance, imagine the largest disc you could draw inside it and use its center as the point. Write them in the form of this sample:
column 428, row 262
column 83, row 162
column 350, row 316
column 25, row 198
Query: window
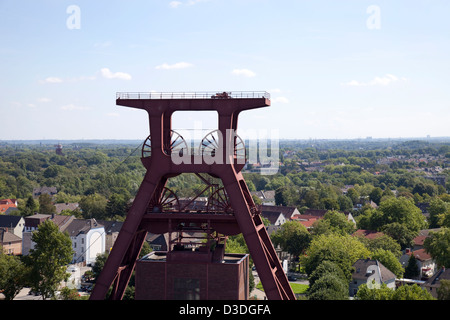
column 186, row 289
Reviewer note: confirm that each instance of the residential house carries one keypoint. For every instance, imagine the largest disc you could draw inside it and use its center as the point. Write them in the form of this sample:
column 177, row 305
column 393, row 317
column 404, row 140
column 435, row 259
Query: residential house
column 66, row 206
column 11, row 243
column 371, row 272
column 88, row 240
column 433, row 283
column 309, row 216
column 425, row 263
column 33, row 222
column 420, row 239
column 276, row 218
column 288, row 212
column 306, row 220
column 112, row 229
column 13, row 224
column 41, row 190
column 158, row 242
column 6, row 204
column 368, row 234
column 267, row 197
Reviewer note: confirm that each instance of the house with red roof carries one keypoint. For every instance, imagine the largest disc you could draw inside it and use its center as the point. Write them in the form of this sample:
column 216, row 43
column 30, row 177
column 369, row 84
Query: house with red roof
column 425, row 263
column 367, row 234
column 5, row 204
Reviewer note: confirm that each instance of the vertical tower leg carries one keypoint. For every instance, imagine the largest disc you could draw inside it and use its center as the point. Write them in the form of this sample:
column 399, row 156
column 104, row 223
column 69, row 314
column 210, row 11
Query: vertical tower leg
column 273, row 278
column 122, row 259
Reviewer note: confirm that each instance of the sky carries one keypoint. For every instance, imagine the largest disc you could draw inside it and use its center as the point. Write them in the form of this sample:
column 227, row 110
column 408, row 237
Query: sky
column 335, row 69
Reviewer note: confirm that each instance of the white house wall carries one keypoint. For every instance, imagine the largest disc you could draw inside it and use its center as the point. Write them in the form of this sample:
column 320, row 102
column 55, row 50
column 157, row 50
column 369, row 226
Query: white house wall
column 95, row 240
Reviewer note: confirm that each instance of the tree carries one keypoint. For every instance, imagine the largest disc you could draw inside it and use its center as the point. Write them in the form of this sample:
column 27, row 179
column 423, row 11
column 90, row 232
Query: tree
column 366, row 293
column 100, row 261
column 353, row 195
column 376, row 194
column 402, row 211
column 400, row 233
column 12, row 275
column 311, row 199
column 116, row 206
column 443, row 292
column 338, row 222
column 285, row 196
column 383, row 242
column 329, row 287
column 411, row 292
column 93, row 206
column 293, row 237
column 343, row 250
column 437, row 209
column 412, row 269
column 326, row 267
column 46, row 205
column 437, row 244
column 345, row 203
column 388, row 259
column 30, row 207
column 49, row 258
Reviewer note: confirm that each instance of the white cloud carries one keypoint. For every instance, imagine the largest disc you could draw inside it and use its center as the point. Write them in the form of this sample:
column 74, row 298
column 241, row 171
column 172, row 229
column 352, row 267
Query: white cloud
column 280, row 100
column 106, row 73
column 244, row 72
column 377, row 81
column 178, row 65
column 175, row 4
column 44, row 99
column 52, row 80
column 102, row 44
column 192, row 2
column 70, row 107
column 113, row 114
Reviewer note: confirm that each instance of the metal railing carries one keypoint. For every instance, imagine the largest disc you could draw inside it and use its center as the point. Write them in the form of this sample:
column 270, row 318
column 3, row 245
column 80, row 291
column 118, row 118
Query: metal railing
column 194, row 95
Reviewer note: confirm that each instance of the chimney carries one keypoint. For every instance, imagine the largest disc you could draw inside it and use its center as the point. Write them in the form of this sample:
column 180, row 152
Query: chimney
column 408, row 250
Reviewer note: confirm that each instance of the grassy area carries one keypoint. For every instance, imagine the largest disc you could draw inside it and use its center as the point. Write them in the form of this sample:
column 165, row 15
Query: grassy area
column 298, row 288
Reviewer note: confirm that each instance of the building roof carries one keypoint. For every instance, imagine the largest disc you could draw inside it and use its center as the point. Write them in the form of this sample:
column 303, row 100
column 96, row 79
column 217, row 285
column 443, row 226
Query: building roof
column 111, row 226
column 361, row 266
column 272, row 216
column 9, row 221
column 286, row 211
column 79, row 226
column 420, row 255
column 315, row 212
column 419, row 240
column 5, row 204
column 66, row 206
column 41, row 190
column 368, row 234
column 264, row 195
column 434, row 281
column 61, row 221
column 306, row 220
column 6, row 236
column 423, row 234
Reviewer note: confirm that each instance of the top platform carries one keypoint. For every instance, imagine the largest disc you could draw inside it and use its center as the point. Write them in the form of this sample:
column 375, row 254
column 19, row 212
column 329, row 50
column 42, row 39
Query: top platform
column 192, row 95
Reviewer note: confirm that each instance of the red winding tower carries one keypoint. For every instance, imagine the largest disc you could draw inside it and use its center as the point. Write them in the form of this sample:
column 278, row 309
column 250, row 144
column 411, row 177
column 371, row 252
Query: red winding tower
column 230, row 208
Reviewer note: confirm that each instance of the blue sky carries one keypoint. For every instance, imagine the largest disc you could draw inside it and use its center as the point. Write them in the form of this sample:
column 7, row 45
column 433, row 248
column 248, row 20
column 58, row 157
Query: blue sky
column 335, row 69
